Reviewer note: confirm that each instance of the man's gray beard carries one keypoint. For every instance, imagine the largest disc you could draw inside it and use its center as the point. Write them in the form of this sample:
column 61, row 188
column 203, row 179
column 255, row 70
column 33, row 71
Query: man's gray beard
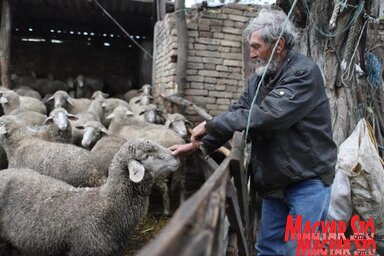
column 260, row 67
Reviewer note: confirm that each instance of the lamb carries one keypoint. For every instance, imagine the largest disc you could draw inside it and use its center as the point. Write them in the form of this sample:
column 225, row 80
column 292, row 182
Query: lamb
column 120, row 116
column 24, row 90
column 56, row 128
column 177, row 122
column 93, row 131
column 72, row 105
column 85, row 86
column 146, row 113
column 43, row 216
column 125, row 125
column 145, row 89
column 94, row 113
column 144, row 98
column 13, row 103
column 66, row 162
column 109, row 105
column 30, row 118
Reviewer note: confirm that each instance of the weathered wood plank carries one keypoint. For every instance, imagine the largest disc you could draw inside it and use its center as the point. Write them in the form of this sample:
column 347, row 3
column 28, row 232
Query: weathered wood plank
column 5, row 43
column 234, row 217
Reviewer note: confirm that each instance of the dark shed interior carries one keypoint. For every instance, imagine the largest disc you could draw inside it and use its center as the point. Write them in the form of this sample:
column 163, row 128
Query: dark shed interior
column 66, row 38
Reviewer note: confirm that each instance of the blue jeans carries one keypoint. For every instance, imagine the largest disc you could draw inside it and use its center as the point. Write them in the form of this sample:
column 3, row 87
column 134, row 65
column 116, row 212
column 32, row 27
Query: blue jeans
column 309, row 198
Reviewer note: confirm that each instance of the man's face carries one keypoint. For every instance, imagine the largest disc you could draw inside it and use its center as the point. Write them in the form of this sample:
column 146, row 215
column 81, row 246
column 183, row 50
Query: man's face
column 260, row 53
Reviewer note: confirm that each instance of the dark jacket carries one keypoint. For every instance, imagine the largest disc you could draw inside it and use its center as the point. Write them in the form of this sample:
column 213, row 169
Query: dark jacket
column 290, row 126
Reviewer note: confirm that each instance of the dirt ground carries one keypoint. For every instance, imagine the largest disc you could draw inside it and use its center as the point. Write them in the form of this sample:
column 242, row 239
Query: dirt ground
column 145, row 231
column 151, row 225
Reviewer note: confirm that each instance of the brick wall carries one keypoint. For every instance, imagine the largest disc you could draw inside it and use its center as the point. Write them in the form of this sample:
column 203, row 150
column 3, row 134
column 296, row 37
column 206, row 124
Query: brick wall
column 215, row 68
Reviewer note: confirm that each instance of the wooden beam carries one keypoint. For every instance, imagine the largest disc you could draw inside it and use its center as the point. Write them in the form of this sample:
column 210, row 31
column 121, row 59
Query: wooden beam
column 186, row 103
column 182, row 49
column 5, row 43
column 160, row 8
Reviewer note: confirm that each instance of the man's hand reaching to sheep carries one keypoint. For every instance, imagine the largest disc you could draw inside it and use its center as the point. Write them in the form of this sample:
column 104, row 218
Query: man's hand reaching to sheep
column 186, row 149
column 183, row 149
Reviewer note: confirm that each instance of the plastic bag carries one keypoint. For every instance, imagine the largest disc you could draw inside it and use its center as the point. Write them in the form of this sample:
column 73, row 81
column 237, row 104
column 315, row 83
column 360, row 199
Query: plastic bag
column 358, row 187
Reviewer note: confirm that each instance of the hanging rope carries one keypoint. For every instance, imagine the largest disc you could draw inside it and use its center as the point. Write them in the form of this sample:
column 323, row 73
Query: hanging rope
column 266, row 68
column 352, row 21
column 332, row 21
column 122, row 29
column 347, row 61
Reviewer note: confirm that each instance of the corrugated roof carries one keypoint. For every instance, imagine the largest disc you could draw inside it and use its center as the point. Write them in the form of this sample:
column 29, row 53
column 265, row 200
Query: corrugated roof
column 136, row 17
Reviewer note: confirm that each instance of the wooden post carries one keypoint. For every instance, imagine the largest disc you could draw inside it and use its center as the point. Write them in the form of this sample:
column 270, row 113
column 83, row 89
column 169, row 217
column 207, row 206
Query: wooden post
column 5, row 42
column 182, row 46
column 160, row 9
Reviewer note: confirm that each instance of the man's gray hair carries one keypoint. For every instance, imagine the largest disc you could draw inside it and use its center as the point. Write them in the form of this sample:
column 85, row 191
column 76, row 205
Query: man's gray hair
column 270, row 22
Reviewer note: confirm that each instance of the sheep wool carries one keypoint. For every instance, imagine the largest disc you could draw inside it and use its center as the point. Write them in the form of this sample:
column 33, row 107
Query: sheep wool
column 43, row 216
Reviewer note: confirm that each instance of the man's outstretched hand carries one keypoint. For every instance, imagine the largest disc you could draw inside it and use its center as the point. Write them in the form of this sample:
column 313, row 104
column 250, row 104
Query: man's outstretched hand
column 184, row 149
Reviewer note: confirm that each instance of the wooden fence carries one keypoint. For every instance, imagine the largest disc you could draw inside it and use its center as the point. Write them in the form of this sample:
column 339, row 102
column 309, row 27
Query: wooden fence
column 217, row 219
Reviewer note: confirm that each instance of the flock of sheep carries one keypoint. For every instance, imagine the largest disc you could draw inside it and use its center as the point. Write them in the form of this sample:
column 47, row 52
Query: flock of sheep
column 77, row 166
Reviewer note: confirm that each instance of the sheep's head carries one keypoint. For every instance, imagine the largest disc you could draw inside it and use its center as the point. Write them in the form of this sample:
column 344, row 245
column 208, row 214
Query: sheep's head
column 60, row 98
column 93, row 131
column 7, row 97
column 177, row 122
column 60, row 116
column 147, row 157
column 149, row 112
column 118, row 112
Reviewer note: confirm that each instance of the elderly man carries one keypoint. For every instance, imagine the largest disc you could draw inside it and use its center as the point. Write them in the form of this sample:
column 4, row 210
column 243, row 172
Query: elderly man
column 293, row 153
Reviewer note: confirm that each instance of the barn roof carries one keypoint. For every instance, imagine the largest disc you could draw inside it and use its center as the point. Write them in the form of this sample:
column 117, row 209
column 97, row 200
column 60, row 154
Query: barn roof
column 42, row 17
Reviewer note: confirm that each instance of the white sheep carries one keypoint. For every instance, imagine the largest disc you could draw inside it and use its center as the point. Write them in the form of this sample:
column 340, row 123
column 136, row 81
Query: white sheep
column 127, row 126
column 109, row 105
column 72, row 105
column 86, row 86
column 93, row 131
column 43, row 216
column 13, row 103
column 56, row 127
column 24, row 90
column 66, row 162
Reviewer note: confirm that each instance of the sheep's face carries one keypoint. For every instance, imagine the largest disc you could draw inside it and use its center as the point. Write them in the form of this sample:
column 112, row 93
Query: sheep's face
column 150, row 158
column 93, row 131
column 179, row 127
column 150, row 115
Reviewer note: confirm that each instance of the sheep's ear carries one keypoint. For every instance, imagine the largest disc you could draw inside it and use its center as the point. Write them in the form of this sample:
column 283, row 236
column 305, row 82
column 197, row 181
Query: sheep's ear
column 3, row 130
column 47, row 120
column 167, row 124
column 72, row 117
column 136, row 171
column 104, row 130
column 50, row 98
column 110, row 116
